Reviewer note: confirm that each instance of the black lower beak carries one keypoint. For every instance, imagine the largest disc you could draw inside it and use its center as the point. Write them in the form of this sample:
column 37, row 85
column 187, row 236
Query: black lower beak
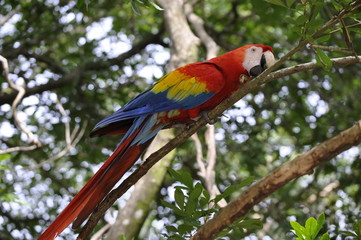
column 256, row 70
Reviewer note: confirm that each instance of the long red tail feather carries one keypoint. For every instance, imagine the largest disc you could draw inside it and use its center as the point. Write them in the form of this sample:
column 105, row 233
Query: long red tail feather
column 82, row 205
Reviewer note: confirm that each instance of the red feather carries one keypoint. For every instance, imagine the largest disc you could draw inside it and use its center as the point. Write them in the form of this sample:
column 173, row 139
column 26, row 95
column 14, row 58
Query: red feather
column 97, row 187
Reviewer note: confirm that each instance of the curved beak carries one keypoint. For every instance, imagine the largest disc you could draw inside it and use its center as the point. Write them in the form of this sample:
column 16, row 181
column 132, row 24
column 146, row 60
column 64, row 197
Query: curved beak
column 267, row 60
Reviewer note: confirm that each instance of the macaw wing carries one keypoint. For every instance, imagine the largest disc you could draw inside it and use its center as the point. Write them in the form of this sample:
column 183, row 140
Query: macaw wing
column 184, row 88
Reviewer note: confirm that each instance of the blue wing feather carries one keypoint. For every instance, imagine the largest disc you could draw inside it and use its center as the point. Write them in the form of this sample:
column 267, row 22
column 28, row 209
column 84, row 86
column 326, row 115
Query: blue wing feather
column 150, row 102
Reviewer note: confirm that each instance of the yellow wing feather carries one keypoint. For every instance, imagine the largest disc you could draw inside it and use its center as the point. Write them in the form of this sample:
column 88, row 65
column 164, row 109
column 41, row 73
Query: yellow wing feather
column 179, row 86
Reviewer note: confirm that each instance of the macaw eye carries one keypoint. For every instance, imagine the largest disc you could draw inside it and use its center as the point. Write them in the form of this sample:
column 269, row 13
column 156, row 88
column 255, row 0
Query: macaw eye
column 253, row 49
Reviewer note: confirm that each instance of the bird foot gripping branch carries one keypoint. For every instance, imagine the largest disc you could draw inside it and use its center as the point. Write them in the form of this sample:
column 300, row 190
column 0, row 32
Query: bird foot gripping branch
column 204, row 114
column 180, row 96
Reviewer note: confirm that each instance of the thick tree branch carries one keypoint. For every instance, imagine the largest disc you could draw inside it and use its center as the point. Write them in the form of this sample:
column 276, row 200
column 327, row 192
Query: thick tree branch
column 301, row 165
column 182, row 137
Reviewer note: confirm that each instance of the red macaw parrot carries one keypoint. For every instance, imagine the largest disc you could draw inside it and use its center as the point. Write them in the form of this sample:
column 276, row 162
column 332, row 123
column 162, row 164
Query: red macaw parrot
column 178, row 97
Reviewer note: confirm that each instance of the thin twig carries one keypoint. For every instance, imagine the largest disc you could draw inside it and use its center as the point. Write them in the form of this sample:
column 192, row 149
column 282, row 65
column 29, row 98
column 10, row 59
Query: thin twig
column 76, row 136
column 332, row 48
column 19, row 149
column 8, row 16
column 66, row 121
column 347, row 37
column 340, row 29
column 21, row 92
column 100, row 233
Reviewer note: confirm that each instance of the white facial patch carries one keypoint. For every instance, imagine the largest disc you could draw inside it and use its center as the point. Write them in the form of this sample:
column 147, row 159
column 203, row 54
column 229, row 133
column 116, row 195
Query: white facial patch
column 252, row 57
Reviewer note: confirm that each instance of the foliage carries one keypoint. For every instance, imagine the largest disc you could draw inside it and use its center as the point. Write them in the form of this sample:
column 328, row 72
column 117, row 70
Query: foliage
column 193, row 206
column 97, row 55
column 311, row 229
column 136, row 4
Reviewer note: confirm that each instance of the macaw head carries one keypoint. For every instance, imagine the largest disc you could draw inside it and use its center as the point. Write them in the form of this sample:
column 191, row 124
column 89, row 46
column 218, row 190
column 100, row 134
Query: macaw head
column 257, row 58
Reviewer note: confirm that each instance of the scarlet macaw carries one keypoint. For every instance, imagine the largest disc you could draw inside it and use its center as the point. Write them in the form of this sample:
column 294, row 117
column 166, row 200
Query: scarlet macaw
column 178, row 97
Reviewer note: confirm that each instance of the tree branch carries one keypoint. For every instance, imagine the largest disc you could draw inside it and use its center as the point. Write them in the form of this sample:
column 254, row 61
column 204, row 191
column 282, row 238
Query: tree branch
column 19, row 96
column 301, row 165
column 8, row 16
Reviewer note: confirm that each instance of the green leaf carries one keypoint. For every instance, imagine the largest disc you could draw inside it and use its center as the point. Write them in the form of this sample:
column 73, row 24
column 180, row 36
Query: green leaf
column 348, row 233
column 185, row 228
column 336, row 5
column 135, row 7
column 323, row 60
column 291, row 20
column 318, row 5
column 251, row 224
column 325, row 236
column 321, row 220
column 323, row 39
column 171, row 228
column 301, row 20
column 145, row 3
column 179, row 197
column 299, row 230
column 4, row 167
column 314, row 24
column 277, row 2
column 156, row 6
column 311, row 228
column 5, row 156
column 194, row 194
column 182, row 176
column 290, row 3
column 174, row 208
